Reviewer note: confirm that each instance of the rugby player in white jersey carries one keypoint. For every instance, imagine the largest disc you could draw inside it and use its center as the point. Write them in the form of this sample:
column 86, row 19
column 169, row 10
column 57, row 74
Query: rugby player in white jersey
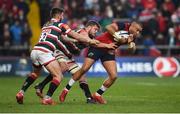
column 42, row 54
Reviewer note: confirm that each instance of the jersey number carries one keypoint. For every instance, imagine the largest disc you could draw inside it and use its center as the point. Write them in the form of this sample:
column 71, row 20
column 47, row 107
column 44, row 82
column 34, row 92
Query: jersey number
column 43, row 37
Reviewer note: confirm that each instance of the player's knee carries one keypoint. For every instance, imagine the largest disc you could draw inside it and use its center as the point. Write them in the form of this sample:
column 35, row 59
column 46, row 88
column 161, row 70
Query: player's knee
column 113, row 77
column 58, row 77
column 33, row 75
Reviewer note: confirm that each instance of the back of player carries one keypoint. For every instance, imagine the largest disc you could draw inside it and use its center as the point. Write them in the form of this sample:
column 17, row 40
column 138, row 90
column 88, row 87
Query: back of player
column 41, row 55
column 68, row 64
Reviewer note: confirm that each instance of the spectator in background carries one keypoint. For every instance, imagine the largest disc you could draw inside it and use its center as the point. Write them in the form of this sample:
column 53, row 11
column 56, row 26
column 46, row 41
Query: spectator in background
column 177, row 29
column 45, row 7
column 119, row 9
column 6, row 39
column 175, row 17
column 7, row 5
column 15, row 12
column 172, row 36
column 152, row 26
column 150, row 49
column 171, row 40
column 6, row 36
column 109, row 12
column 169, row 5
column 162, row 23
column 21, row 16
column 149, row 4
column 133, row 11
column 178, row 41
column 160, row 40
column 26, row 34
column 145, row 15
column 148, row 42
column 22, row 5
column 16, row 32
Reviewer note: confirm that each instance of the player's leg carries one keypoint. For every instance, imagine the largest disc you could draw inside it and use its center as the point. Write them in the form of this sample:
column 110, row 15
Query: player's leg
column 30, row 79
column 55, row 71
column 111, row 69
column 88, row 62
column 83, row 84
column 40, row 86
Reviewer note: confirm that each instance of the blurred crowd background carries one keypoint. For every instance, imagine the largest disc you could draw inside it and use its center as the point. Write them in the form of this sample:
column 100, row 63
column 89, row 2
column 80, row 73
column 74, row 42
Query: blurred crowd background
column 21, row 20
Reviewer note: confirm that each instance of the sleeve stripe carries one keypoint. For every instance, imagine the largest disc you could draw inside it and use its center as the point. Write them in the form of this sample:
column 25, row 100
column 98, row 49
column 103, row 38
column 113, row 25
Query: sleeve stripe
column 67, row 31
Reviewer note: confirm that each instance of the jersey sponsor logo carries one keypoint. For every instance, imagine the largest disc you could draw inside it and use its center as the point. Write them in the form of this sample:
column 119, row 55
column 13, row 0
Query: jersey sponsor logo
column 166, row 67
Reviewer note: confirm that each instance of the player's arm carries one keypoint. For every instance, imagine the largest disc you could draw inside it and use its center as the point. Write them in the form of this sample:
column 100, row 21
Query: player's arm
column 65, row 38
column 112, row 28
column 66, row 29
column 82, row 38
column 107, row 46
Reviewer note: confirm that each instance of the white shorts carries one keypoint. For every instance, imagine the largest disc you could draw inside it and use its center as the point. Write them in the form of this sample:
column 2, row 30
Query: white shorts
column 71, row 65
column 40, row 58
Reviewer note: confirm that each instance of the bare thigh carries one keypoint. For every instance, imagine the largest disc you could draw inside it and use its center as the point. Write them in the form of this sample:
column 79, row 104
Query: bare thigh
column 110, row 67
column 54, row 69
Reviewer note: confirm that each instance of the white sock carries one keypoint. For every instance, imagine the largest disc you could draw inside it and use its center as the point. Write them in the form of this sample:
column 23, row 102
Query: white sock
column 103, row 88
column 22, row 91
column 71, row 82
column 46, row 97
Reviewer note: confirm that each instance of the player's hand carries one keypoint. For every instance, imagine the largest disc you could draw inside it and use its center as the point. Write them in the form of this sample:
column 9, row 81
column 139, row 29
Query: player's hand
column 130, row 38
column 132, row 47
column 93, row 42
column 111, row 46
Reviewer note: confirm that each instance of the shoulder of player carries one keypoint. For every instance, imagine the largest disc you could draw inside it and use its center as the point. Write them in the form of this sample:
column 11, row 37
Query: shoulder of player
column 82, row 31
column 62, row 25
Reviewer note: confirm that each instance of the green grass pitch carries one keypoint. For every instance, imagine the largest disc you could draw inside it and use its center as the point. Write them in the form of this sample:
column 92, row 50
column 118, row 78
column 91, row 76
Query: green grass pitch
column 133, row 94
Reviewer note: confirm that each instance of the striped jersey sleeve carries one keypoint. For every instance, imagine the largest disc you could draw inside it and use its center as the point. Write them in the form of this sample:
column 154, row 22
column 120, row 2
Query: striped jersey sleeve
column 65, row 29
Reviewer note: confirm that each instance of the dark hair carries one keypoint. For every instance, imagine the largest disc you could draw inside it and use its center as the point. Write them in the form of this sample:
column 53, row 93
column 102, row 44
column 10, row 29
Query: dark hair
column 55, row 11
column 92, row 23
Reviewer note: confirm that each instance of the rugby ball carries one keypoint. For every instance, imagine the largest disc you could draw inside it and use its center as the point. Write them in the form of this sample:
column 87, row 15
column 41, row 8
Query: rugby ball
column 121, row 34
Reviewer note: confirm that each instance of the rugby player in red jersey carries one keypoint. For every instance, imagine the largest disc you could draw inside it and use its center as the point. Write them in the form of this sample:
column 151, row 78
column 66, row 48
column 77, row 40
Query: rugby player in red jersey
column 42, row 54
column 107, row 57
column 69, row 64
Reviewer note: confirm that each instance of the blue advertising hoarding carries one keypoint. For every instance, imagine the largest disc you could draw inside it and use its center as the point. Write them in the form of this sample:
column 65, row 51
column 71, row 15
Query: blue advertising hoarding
column 126, row 66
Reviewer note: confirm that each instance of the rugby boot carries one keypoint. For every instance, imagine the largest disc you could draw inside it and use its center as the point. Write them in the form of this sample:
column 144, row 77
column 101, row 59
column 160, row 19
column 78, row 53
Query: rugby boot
column 63, row 95
column 20, row 97
column 98, row 98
